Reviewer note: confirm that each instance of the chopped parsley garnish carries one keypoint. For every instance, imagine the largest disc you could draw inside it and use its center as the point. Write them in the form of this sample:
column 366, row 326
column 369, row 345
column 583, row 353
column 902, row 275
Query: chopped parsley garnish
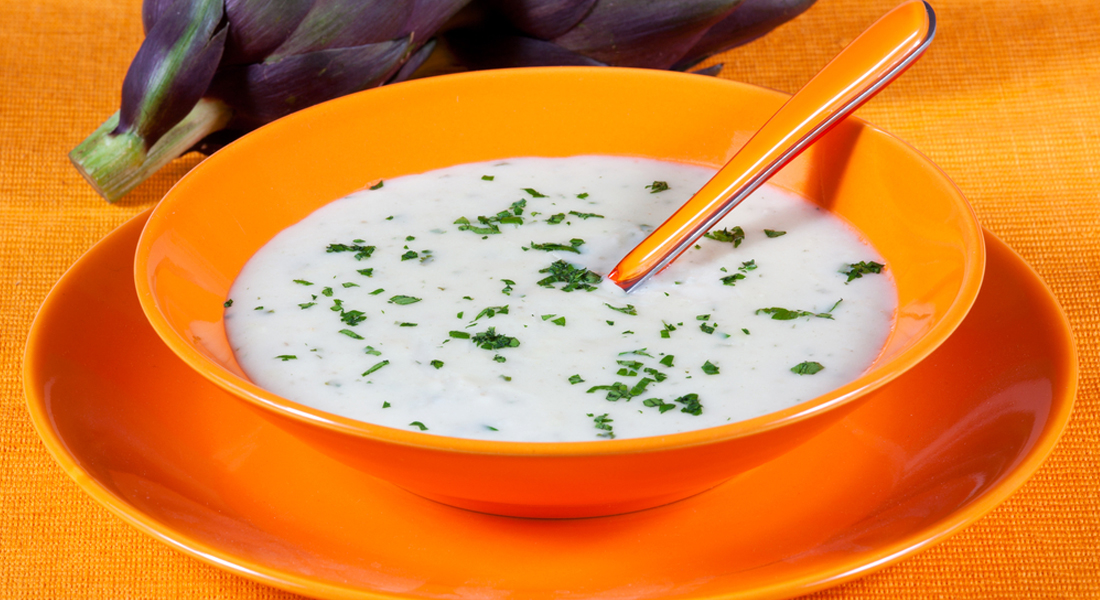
column 493, row 311
column 657, row 186
column 353, row 317
column 534, row 193
column 659, row 404
column 377, row 291
column 626, row 310
column 500, row 358
column 734, row 236
column 376, row 366
column 659, row 376
column 615, row 391
column 286, row 357
column 708, row 329
column 370, row 350
column 691, row 404
column 709, row 368
column 772, row 233
column 583, row 195
column 555, row 219
column 560, row 321
column 409, row 238
column 861, row 268
column 402, row 299
column 747, row 266
column 378, row 185
column 227, row 303
column 385, row 404
column 411, row 254
column 488, row 177
column 508, row 283
column 574, row 278
column 641, row 352
column 491, row 340
column 360, row 251
column 630, row 364
column 258, row 308
column 303, row 282
column 462, row 335
column 807, row 368
column 549, row 247
column 667, row 360
column 666, row 333
column 785, row 314
column 366, row 272
column 603, row 423
column 575, row 379
column 746, row 331
column 505, row 378
column 732, row 279
column 419, row 425
column 491, row 428
column 351, row 334
column 487, row 228
column 327, row 292
column 518, row 206
column 306, row 305
column 402, row 324
column 348, row 284
column 702, row 317
column 585, row 216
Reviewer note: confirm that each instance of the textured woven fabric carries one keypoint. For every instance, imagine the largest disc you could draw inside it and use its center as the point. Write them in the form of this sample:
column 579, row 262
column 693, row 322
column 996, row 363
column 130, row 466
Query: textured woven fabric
column 1007, row 102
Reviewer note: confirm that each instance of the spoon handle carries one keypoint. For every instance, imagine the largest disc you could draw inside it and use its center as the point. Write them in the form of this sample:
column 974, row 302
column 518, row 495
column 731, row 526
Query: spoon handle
column 864, row 67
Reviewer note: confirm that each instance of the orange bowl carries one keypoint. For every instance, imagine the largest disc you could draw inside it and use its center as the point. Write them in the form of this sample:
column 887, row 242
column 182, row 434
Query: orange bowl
column 199, row 237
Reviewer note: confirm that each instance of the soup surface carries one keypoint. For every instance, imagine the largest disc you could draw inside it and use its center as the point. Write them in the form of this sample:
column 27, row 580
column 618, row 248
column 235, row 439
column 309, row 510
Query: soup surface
column 467, row 302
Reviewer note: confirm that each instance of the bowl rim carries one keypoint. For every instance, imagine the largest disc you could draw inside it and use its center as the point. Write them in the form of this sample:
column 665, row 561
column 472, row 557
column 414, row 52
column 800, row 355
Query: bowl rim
column 878, row 375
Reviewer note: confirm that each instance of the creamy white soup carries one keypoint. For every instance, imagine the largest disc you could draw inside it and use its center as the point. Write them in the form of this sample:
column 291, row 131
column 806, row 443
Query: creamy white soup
column 468, row 302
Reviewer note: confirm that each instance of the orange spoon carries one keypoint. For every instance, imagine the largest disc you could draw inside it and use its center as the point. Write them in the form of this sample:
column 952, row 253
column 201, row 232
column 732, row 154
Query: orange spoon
column 864, row 67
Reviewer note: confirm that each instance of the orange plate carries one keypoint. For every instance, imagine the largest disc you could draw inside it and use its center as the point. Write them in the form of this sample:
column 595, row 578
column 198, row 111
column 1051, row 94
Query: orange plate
column 173, row 455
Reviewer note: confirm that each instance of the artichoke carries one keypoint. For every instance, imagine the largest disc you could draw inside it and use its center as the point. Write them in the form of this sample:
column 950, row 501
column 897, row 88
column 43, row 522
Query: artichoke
column 210, row 70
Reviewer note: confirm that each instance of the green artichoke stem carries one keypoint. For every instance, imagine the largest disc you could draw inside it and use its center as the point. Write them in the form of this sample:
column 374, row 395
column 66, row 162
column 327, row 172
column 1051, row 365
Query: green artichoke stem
column 114, row 164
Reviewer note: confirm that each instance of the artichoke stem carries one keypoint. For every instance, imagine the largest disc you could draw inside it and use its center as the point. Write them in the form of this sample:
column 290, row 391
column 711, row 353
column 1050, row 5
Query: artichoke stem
column 116, row 163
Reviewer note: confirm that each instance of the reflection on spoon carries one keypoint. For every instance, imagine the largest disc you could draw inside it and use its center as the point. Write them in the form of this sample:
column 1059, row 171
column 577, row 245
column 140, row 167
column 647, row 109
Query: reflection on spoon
column 864, row 67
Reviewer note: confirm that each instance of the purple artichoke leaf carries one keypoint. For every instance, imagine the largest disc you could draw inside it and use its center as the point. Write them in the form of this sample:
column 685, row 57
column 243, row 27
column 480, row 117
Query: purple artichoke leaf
column 749, row 21
column 429, row 16
column 151, row 10
column 477, row 49
column 414, row 61
column 544, row 19
column 258, row 27
column 332, row 24
column 644, row 34
column 262, row 92
column 172, row 69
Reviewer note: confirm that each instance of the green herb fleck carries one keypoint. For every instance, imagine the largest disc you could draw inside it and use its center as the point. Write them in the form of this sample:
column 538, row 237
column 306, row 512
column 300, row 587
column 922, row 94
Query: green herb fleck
column 360, row 251
column 549, row 247
column 378, row 185
column 488, row 177
column 376, row 366
column 772, row 233
column 666, row 333
column 747, row 266
column 575, row 379
column 555, row 219
column 411, row 254
column 585, row 216
column 377, row 291
column 327, row 292
column 573, row 277
column 348, row 284
column 746, row 331
column 286, row 357
column 659, row 404
column 402, row 299
column 462, row 335
column 734, row 236
column 385, row 404
column 691, row 403
column 708, row 329
column 303, row 282
column 603, row 423
column 419, row 425
column 492, row 311
column 535, row 194
column 227, row 303
column 861, row 268
column 709, row 368
column 626, row 310
column 667, row 360
column 306, row 305
column 807, row 368
column 732, row 279
column 500, row 358
column 370, row 350
column 491, row 340
column 402, row 324
column 353, row 317
column 641, row 352
column 583, row 195
column 657, row 186
column 785, row 314
column 351, row 334
column 507, row 291
column 560, row 321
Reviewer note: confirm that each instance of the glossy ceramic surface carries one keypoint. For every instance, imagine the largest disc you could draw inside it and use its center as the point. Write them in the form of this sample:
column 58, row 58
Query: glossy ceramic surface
column 168, row 452
column 218, row 215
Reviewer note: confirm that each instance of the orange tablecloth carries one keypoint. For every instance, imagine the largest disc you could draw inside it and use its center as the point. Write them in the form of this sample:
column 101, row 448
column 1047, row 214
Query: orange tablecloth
column 1007, row 102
